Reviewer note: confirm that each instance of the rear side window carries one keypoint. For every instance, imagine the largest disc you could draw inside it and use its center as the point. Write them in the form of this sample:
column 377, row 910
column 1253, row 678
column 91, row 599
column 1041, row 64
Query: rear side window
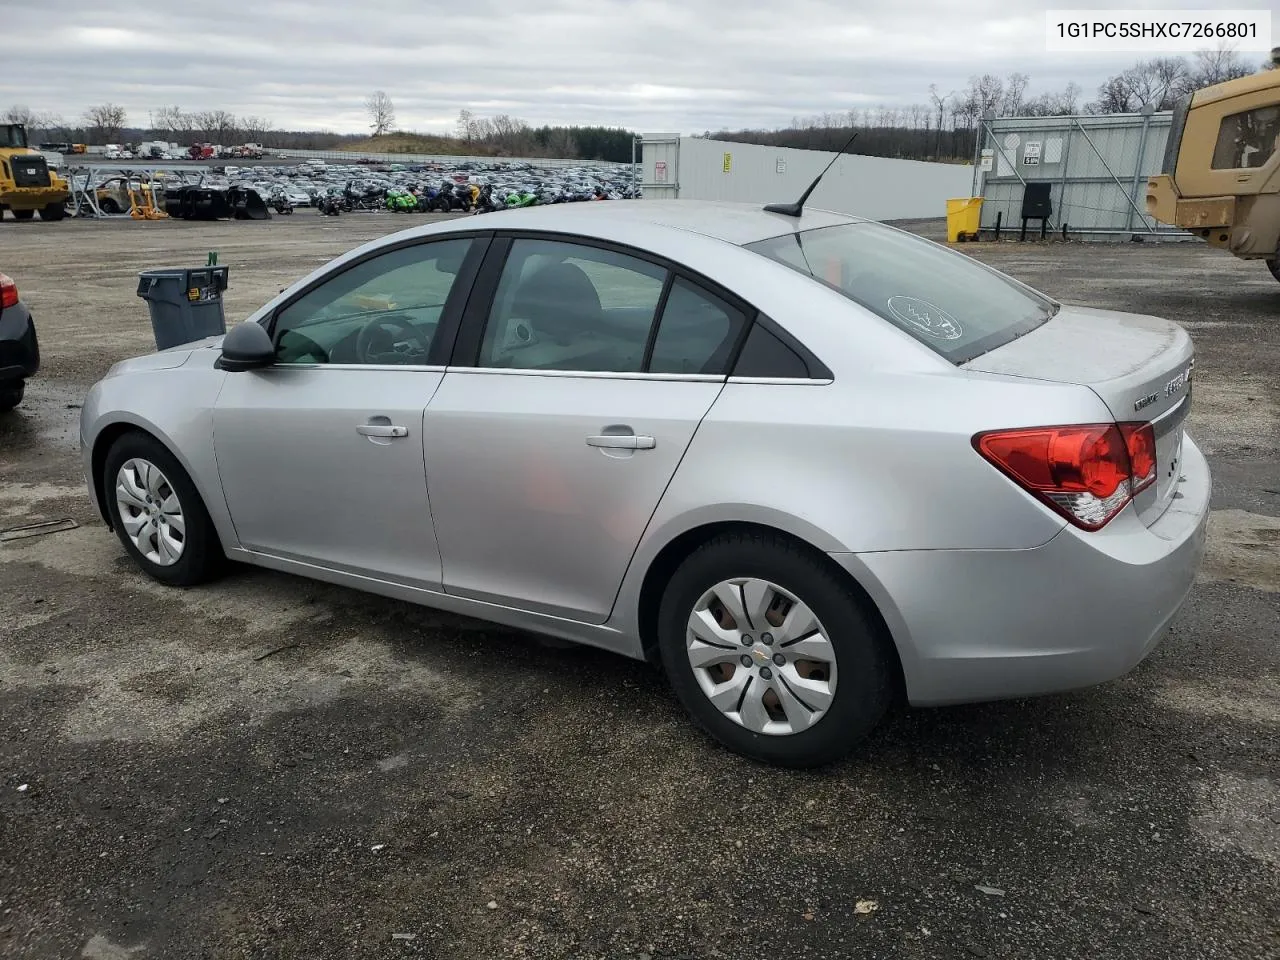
column 764, row 355
column 947, row 301
column 697, row 332
column 1247, row 140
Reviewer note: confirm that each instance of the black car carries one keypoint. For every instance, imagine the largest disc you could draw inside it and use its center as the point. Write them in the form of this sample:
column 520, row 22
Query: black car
column 19, row 350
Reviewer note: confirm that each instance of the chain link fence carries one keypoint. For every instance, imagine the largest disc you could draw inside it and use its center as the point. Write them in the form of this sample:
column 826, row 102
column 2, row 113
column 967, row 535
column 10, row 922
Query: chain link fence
column 1097, row 168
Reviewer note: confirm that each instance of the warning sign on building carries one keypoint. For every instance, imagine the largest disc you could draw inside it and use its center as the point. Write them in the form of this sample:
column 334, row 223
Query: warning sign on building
column 728, row 162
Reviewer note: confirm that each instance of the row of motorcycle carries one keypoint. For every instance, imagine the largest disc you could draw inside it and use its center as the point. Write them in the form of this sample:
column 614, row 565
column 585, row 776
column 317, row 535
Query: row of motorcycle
column 448, row 197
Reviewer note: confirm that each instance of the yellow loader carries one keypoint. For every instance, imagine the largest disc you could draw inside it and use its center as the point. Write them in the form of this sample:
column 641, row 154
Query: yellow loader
column 27, row 185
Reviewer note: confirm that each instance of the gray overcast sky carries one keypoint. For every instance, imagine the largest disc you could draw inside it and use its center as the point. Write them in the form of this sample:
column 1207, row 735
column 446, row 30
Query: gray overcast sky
column 653, row 65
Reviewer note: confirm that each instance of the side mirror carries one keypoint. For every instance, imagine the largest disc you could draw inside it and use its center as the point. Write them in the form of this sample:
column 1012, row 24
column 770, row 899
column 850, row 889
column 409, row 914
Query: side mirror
column 247, row 347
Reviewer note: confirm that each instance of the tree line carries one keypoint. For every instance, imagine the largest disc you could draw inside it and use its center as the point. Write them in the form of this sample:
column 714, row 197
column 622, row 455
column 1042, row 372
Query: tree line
column 496, row 136
column 944, row 127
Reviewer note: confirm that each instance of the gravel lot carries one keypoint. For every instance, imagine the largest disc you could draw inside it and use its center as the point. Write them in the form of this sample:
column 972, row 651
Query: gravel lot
column 393, row 782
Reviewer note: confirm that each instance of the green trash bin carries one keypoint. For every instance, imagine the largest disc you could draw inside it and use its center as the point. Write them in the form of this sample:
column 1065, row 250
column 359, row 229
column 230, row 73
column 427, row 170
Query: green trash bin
column 185, row 303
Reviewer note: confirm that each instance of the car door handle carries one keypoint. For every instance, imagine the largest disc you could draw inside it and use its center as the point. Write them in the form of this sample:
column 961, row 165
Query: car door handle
column 381, row 430
column 624, row 442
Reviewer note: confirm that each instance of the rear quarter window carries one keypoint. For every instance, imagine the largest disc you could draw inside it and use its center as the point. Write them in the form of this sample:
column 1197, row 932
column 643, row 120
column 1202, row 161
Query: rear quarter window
column 954, row 305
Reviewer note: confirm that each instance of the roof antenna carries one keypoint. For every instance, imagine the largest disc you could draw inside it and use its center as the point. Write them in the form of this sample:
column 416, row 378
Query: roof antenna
column 797, row 208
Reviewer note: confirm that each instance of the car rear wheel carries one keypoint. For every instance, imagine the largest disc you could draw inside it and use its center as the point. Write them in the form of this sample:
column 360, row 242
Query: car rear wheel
column 23, row 214
column 1274, row 266
column 772, row 652
column 11, row 395
column 157, row 513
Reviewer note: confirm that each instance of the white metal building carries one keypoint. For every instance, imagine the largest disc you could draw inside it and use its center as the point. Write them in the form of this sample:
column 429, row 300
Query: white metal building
column 876, row 187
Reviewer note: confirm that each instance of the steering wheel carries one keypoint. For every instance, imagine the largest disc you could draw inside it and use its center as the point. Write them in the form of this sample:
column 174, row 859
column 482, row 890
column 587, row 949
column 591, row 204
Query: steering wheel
column 376, row 341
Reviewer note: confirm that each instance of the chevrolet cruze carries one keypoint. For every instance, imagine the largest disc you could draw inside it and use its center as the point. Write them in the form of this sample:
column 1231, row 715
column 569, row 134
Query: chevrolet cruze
column 805, row 462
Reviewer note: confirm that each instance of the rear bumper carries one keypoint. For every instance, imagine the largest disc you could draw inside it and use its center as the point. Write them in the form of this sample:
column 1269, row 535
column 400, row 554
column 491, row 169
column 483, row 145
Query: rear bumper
column 19, row 348
column 974, row 625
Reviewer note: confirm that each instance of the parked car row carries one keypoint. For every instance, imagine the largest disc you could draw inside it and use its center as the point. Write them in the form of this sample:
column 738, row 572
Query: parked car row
column 382, row 186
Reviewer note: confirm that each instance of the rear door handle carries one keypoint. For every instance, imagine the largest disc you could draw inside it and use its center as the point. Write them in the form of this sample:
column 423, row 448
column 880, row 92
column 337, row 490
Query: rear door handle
column 381, row 430
column 623, row 442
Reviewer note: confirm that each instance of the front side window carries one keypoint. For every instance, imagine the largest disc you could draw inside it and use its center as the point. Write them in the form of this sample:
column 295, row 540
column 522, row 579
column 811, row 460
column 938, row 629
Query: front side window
column 1247, row 140
column 383, row 311
column 569, row 306
column 947, row 301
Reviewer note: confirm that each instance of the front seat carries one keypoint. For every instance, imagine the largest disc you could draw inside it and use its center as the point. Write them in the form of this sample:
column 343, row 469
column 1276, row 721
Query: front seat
column 560, row 302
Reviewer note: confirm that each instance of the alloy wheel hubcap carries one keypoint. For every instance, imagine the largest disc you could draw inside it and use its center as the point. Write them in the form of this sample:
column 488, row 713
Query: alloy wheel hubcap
column 150, row 512
column 761, row 656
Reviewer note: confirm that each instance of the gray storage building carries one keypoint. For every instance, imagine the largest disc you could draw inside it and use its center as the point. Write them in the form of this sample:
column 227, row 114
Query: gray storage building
column 1097, row 167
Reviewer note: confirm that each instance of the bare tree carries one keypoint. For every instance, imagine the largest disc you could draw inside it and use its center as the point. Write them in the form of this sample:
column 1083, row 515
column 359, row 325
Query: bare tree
column 1014, row 89
column 985, row 93
column 51, row 124
column 940, row 105
column 1159, row 82
column 1216, row 66
column 256, row 128
column 20, row 113
column 466, row 125
column 220, row 125
column 171, row 120
column 105, row 121
column 1060, row 104
column 382, row 113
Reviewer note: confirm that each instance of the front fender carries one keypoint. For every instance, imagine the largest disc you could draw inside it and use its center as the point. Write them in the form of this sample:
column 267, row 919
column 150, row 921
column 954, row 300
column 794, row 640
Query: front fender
column 175, row 405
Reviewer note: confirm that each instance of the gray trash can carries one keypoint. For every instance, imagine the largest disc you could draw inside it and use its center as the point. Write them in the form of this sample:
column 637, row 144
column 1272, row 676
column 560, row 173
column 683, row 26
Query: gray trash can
column 185, row 303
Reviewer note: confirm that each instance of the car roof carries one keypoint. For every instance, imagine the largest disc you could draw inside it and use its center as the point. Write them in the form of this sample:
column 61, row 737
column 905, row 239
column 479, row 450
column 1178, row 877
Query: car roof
column 736, row 223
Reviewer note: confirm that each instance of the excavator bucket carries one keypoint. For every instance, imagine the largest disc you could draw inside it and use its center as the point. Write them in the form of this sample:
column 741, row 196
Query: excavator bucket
column 196, row 203
column 247, row 204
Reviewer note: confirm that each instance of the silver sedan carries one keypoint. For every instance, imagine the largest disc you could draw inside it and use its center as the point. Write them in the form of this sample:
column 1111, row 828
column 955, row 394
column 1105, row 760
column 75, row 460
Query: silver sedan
column 808, row 464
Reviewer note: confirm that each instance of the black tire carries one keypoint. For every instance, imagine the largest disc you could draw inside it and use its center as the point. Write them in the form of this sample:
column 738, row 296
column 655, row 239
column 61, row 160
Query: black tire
column 1274, row 266
column 865, row 660
column 202, row 558
column 109, row 206
column 53, row 211
column 11, row 395
column 23, row 214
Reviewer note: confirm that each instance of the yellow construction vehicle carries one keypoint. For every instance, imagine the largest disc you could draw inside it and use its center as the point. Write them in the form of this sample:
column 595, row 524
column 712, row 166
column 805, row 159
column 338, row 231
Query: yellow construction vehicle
column 27, row 185
column 1221, row 176
column 142, row 202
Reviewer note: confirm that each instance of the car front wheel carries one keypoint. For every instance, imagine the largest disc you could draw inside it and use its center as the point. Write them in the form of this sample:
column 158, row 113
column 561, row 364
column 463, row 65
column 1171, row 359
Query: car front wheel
column 772, row 652
column 157, row 513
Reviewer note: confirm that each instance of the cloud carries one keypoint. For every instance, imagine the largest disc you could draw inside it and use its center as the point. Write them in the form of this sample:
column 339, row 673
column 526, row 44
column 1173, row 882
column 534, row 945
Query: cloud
column 646, row 64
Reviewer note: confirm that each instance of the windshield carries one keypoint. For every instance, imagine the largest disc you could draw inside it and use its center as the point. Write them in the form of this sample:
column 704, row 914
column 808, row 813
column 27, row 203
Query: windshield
column 949, row 302
column 12, row 135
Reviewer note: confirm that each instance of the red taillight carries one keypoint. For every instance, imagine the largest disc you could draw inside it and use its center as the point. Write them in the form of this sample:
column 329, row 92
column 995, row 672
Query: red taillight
column 1140, row 440
column 1086, row 472
column 8, row 292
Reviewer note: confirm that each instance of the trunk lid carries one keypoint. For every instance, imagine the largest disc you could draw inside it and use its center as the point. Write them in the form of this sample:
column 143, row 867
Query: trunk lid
column 1139, row 366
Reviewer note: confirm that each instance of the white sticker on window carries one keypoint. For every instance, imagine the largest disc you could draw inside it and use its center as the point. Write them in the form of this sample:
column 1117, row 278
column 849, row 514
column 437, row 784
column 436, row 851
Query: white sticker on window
column 930, row 320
